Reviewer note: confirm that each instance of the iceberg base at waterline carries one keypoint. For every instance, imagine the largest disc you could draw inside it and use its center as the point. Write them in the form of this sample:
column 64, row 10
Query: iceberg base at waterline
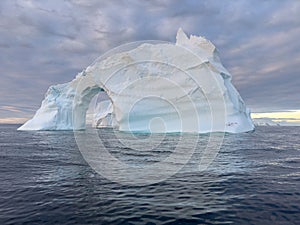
column 151, row 87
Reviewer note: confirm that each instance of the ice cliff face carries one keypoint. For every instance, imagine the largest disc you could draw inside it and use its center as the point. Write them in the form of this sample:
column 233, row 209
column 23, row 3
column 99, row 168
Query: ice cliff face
column 163, row 87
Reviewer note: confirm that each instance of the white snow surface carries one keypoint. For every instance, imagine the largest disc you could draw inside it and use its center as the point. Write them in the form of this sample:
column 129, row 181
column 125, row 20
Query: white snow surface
column 154, row 87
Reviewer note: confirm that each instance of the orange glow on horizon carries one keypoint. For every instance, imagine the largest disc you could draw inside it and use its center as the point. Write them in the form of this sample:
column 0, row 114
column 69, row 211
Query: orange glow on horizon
column 289, row 117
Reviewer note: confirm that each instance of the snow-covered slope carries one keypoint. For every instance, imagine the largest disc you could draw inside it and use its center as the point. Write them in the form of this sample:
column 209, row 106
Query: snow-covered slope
column 157, row 87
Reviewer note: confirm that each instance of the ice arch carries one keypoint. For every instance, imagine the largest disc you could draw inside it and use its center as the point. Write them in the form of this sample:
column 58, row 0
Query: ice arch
column 180, row 87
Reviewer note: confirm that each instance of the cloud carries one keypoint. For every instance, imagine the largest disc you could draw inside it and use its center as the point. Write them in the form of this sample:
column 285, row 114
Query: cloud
column 49, row 42
column 13, row 120
column 10, row 109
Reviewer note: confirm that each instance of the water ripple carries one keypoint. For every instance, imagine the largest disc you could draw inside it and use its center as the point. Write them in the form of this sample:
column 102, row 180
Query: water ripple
column 255, row 179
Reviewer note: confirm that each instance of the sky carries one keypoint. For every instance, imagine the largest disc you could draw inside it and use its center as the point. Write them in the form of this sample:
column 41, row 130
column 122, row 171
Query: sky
column 47, row 42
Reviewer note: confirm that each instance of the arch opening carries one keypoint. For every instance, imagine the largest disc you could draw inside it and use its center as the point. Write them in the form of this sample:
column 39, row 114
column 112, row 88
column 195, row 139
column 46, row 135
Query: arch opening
column 100, row 111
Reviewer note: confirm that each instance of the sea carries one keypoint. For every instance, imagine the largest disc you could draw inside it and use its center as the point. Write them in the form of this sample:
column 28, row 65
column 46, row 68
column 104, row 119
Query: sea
column 252, row 178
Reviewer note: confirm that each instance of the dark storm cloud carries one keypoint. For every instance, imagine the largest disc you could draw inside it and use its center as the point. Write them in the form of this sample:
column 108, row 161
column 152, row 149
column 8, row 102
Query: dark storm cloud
column 48, row 42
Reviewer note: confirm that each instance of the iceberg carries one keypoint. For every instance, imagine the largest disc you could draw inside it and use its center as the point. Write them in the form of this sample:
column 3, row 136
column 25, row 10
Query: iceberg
column 151, row 87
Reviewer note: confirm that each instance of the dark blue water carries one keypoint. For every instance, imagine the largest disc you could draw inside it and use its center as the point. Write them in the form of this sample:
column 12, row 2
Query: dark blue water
column 255, row 179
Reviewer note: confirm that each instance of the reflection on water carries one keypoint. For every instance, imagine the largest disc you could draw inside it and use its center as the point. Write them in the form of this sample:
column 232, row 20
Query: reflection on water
column 253, row 179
